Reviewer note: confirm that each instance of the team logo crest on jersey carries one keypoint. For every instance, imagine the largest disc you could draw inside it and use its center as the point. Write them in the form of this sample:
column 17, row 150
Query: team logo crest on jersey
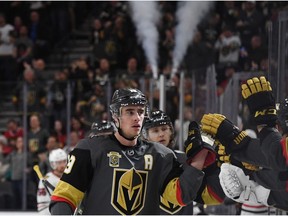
column 129, row 191
column 114, row 159
column 169, row 207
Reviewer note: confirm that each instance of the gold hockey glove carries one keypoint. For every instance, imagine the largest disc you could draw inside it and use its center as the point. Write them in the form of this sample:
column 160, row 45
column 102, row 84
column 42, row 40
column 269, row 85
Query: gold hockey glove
column 260, row 100
column 225, row 131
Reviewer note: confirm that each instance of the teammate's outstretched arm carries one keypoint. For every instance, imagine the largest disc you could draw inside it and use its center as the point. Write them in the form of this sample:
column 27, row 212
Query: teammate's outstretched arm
column 257, row 92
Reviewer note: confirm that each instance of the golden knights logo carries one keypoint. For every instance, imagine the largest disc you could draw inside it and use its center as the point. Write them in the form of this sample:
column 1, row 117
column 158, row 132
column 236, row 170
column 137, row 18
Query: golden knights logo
column 114, row 159
column 169, row 207
column 129, row 190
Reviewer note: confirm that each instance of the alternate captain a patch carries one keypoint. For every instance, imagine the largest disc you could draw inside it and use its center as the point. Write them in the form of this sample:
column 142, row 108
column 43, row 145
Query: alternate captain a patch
column 169, row 207
column 129, row 190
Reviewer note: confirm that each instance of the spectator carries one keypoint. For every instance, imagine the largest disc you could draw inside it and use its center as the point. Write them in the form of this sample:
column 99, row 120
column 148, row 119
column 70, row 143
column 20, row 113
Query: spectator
column 7, row 51
column 52, row 143
column 229, row 71
column 3, row 144
column 57, row 96
column 37, row 136
column 228, row 47
column 229, row 11
column 132, row 72
column 18, row 23
column 74, row 139
column 211, row 28
column 15, row 159
column 38, row 33
column 77, row 126
column 59, row 132
column 4, row 166
column 250, row 22
column 39, row 67
column 257, row 52
column 79, row 78
column 93, row 104
column 24, row 47
column 103, row 73
column 36, row 94
column 96, row 39
column 199, row 55
column 12, row 132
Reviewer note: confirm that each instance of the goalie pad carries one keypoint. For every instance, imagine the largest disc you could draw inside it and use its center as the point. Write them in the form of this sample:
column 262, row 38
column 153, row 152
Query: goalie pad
column 238, row 187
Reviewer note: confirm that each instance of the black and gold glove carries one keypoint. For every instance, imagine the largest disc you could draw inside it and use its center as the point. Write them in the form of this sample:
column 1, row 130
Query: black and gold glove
column 260, row 100
column 223, row 157
column 225, row 131
column 194, row 144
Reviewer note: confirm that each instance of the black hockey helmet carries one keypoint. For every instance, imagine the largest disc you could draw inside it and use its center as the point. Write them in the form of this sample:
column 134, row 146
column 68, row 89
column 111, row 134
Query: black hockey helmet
column 127, row 97
column 157, row 118
column 101, row 128
column 283, row 115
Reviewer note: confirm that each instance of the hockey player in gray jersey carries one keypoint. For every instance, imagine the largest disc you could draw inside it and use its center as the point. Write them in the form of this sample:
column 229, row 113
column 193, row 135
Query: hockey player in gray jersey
column 159, row 128
column 268, row 152
column 122, row 174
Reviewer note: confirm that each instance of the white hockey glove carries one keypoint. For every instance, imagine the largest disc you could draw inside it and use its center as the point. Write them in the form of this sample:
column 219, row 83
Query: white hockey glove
column 237, row 186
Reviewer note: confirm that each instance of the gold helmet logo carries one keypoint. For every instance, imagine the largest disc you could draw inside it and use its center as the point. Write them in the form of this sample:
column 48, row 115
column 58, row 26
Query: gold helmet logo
column 129, row 189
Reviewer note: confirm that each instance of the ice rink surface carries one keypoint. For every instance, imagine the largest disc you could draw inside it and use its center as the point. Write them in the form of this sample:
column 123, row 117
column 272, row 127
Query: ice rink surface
column 19, row 213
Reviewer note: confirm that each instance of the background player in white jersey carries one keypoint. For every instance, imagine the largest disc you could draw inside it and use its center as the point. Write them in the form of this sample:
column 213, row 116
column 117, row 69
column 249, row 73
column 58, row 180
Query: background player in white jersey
column 58, row 162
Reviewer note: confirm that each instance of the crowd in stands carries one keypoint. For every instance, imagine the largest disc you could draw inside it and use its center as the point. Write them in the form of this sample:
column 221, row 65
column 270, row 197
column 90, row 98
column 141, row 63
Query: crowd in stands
column 233, row 36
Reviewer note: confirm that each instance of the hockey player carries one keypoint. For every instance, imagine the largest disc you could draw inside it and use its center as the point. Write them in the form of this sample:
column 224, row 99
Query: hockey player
column 261, row 103
column 58, row 162
column 159, row 128
column 267, row 153
column 122, row 174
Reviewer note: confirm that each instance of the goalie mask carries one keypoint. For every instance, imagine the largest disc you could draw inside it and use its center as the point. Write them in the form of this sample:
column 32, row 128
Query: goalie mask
column 55, row 156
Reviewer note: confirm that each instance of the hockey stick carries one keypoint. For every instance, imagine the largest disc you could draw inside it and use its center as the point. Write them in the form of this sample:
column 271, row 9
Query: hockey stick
column 46, row 183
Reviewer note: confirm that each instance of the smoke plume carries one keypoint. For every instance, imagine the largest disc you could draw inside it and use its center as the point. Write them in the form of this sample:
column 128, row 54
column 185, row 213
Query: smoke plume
column 145, row 15
column 188, row 15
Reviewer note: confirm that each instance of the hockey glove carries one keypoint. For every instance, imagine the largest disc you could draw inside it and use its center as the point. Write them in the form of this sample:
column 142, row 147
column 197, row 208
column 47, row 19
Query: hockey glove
column 260, row 101
column 194, row 144
column 225, row 131
column 223, row 157
column 238, row 187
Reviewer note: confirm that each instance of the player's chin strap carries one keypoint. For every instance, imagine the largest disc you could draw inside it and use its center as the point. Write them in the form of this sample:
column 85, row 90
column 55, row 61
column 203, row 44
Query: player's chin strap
column 127, row 138
column 120, row 131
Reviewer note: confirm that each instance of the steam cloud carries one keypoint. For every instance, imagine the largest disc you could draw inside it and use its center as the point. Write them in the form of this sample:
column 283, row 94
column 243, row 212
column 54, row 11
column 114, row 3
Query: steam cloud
column 145, row 15
column 188, row 15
